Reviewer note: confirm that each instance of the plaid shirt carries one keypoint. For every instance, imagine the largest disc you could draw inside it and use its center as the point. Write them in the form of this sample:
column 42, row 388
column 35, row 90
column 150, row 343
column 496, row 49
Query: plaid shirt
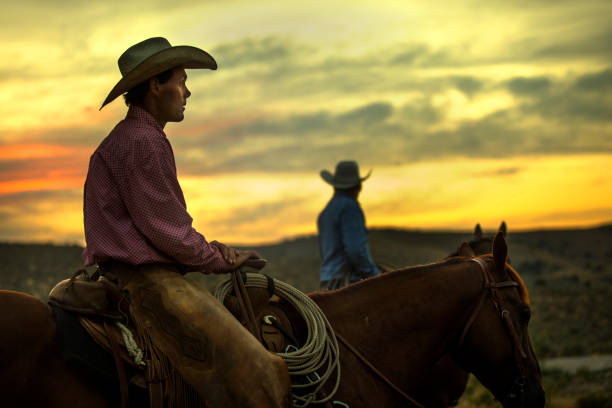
column 134, row 210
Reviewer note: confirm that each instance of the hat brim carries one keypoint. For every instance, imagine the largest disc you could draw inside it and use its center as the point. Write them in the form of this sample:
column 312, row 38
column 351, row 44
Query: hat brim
column 181, row 55
column 329, row 179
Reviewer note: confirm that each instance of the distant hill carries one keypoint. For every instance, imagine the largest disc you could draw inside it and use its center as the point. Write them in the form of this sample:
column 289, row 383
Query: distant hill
column 568, row 273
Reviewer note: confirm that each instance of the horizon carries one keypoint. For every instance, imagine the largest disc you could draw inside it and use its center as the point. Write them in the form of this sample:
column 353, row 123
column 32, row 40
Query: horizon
column 474, row 112
column 485, row 230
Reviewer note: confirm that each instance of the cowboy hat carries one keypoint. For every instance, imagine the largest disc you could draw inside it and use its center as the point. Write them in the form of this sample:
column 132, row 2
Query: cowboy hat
column 345, row 176
column 153, row 56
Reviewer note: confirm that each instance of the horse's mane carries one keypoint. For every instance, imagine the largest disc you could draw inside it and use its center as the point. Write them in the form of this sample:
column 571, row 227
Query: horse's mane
column 432, row 267
column 414, row 270
column 428, row 267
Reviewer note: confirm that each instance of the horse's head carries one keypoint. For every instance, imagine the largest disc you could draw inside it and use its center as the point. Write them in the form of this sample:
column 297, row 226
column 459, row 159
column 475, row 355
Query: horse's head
column 495, row 343
column 480, row 244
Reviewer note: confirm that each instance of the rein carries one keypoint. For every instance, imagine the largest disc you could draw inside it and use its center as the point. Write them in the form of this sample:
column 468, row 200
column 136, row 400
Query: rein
column 376, row 371
column 490, row 288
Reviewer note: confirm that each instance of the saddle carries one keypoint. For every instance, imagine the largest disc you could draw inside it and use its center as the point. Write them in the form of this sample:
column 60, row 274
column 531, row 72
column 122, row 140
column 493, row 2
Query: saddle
column 275, row 322
column 101, row 306
column 94, row 296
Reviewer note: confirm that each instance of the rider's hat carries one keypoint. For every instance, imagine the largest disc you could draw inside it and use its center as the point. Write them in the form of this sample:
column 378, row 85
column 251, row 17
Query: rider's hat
column 345, row 176
column 153, row 56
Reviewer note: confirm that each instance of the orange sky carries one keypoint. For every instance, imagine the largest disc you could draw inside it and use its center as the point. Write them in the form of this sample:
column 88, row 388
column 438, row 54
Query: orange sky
column 471, row 112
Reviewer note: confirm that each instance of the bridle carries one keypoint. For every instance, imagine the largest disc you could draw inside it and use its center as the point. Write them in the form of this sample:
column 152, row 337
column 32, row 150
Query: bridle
column 490, row 287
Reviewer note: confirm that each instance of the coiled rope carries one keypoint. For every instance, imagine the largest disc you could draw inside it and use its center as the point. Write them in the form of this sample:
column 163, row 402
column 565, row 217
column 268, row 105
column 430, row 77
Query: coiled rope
column 318, row 358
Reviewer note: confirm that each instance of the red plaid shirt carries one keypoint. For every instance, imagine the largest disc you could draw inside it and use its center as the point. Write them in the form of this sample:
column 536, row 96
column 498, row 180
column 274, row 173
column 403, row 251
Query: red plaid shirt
column 134, row 210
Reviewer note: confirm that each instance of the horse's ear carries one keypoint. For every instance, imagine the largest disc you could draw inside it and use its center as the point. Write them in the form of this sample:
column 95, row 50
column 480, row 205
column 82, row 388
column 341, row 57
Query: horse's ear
column 500, row 251
column 477, row 233
column 503, row 228
column 466, row 250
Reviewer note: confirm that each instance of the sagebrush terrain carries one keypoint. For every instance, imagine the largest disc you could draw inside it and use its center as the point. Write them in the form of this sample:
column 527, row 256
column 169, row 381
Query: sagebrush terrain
column 568, row 274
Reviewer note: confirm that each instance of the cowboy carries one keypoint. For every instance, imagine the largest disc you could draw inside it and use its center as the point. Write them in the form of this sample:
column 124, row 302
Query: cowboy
column 139, row 233
column 343, row 239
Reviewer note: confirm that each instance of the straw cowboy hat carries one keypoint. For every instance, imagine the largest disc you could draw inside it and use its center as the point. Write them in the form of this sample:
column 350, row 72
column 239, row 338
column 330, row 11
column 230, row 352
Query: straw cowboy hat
column 345, row 176
column 153, row 56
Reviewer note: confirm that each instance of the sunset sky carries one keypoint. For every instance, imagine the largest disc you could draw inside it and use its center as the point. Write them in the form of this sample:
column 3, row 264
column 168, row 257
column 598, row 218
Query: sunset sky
column 466, row 112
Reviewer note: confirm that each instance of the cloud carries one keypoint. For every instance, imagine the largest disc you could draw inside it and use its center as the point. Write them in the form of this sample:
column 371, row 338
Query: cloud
column 529, row 86
column 550, row 116
column 270, row 50
column 587, row 98
column 468, row 84
column 597, row 82
column 51, row 216
column 367, row 115
column 593, row 42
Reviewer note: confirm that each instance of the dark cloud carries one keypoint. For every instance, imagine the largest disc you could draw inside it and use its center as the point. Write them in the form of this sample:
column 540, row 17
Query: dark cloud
column 529, row 86
column 410, row 54
column 594, row 42
column 467, row 84
column 421, row 112
column 367, row 115
column 266, row 51
column 587, row 99
column 566, row 116
column 596, row 82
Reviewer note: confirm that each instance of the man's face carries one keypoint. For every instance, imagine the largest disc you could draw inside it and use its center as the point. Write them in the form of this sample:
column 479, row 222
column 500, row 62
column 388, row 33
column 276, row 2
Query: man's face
column 173, row 96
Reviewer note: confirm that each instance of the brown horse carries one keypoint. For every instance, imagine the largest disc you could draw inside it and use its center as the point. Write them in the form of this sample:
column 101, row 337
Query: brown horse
column 404, row 321
column 480, row 244
column 412, row 316
column 34, row 372
column 444, row 382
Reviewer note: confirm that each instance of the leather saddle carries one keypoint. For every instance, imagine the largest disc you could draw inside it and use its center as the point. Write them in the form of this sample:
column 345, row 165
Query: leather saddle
column 100, row 305
column 274, row 322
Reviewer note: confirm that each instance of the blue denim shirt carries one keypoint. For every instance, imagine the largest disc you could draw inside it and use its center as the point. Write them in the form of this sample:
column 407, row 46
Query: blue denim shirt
column 343, row 239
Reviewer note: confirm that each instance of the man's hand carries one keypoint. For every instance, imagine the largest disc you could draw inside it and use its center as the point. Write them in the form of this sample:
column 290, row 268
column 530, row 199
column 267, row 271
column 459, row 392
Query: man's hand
column 234, row 257
column 245, row 256
column 229, row 254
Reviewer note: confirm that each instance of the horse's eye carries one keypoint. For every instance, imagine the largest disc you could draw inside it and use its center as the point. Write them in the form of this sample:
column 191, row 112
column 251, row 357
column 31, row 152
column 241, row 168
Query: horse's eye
column 526, row 314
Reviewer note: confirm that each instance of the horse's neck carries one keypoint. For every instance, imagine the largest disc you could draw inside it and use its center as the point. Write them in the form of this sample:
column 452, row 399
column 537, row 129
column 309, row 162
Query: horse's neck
column 420, row 309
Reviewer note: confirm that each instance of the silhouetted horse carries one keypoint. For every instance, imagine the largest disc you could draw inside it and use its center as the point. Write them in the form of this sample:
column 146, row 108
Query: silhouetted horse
column 474, row 309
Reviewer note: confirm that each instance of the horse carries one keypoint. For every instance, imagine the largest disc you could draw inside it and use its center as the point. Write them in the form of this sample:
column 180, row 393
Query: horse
column 479, row 243
column 445, row 382
column 475, row 309
column 34, row 372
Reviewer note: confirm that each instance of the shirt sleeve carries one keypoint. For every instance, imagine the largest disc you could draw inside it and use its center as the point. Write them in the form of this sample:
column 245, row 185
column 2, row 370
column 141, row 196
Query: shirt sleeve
column 355, row 241
column 154, row 199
